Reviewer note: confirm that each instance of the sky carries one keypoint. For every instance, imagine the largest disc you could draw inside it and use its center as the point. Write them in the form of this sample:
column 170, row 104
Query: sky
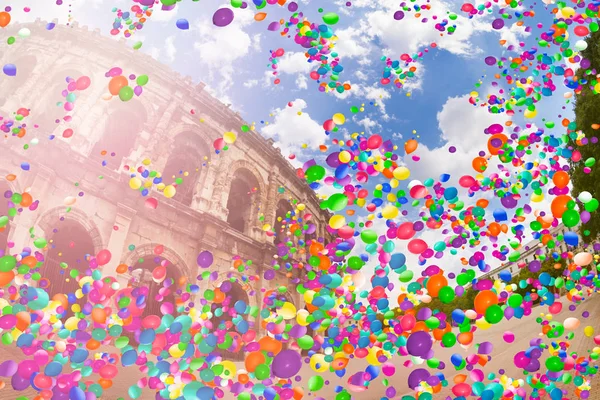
column 234, row 62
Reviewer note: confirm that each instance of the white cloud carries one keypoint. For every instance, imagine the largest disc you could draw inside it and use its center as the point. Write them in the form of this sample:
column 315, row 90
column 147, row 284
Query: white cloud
column 251, row 83
column 353, row 43
column 220, row 47
column 410, row 34
column 368, row 124
column 302, row 82
column 293, row 63
column 464, row 132
column 170, row 48
column 513, row 35
column 160, row 15
column 291, row 130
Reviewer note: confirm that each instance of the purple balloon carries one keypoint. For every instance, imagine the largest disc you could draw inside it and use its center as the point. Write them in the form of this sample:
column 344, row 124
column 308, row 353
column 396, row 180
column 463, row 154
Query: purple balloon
column 183, row 24
column 419, row 343
column 138, row 90
column 10, row 70
column 293, row 6
column 223, row 17
column 498, row 23
column 490, row 60
column 398, row 15
column 205, row 259
column 273, row 26
column 286, row 364
column 417, row 376
column 8, row 368
column 19, row 383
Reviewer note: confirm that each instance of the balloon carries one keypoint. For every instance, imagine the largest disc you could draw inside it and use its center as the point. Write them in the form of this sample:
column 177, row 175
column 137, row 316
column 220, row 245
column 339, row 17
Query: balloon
column 116, row 84
column 435, row 283
column 419, row 343
column 10, row 70
column 286, row 364
column 485, row 299
column 410, row 146
column 223, row 17
column 331, row 18
column 4, row 19
column 561, row 179
column 169, row 191
column 559, row 205
column 183, row 24
column 126, row 93
column 315, row 383
column 83, row 83
column 205, row 259
column 103, row 257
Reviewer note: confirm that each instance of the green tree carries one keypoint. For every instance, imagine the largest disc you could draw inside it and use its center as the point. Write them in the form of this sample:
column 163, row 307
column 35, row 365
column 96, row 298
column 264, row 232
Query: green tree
column 587, row 112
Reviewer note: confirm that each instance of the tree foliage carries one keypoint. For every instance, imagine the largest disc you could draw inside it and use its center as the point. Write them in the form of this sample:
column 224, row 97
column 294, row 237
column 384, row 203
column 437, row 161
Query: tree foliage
column 587, row 112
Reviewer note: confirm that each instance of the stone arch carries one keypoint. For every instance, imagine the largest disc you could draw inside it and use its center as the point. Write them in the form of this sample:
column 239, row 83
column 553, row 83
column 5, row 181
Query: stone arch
column 242, row 209
column 188, row 151
column 147, row 250
column 49, row 220
column 122, row 124
column 283, row 207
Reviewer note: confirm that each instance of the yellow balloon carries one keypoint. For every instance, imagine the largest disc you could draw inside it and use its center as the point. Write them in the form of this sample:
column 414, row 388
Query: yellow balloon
column 320, row 360
column 588, row 331
column 175, row 351
column 135, row 183
column 597, row 87
column 301, row 207
column 345, row 156
column 389, row 212
column 530, row 114
column 339, row 119
column 170, row 191
column 401, row 173
column 372, row 356
column 229, row 137
column 337, row 221
column 568, row 12
column 287, row 311
column 301, row 317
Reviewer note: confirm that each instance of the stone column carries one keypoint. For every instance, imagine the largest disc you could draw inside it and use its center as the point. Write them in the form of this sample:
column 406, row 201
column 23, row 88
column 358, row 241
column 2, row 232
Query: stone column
column 270, row 209
column 117, row 240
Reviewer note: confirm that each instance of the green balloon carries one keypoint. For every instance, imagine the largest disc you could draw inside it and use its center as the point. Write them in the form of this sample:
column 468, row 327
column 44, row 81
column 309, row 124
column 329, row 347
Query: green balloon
column 368, row 236
column 7, row 263
column 446, row 294
column 126, row 93
column 494, row 314
column 168, row 2
column 3, row 221
column 262, row 372
column 306, row 342
column 315, row 383
column 142, row 80
column 315, row 173
column 515, row 300
column 570, row 218
column 355, row 263
column 331, row 18
column 449, row 339
column 554, row 364
column 337, row 202
column 591, row 205
column 40, row 243
column 17, row 198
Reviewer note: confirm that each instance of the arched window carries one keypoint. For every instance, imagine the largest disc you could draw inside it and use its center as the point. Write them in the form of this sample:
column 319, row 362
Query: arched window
column 70, row 248
column 190, row 156
column 282, row 217
column 155, row 293
column 123, row 124
column 234, row 294
column 5, row 195
column 12, row 85
column 243, row 191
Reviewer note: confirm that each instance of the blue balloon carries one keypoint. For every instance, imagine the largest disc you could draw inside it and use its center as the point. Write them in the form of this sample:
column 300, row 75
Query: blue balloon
column 500, row 215
column 76, row 393
column 53, row 368
column 129, row 357
column 456, row 360
column 571, row 238
column 147, row 336
column 397, row 260
column 458, row 316
column 183, row 24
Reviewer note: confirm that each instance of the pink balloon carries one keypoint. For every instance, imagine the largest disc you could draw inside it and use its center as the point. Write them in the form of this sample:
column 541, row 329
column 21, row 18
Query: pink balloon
column 417, row 246
column 69, row 106
column 103, row 257
column 83, row 82
column 405, row 231
column 67, row 133
column 159, row 273
column 115, row 71
column 72, row 86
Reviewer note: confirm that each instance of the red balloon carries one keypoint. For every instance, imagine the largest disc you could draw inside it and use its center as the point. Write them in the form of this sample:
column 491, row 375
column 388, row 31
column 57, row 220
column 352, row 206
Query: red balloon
column 417, row 246
column 405, row 231
column 374, row 142
column 103, row 257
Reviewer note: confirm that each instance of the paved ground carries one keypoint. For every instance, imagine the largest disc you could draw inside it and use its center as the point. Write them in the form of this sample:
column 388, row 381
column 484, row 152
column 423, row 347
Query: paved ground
column 524, row 330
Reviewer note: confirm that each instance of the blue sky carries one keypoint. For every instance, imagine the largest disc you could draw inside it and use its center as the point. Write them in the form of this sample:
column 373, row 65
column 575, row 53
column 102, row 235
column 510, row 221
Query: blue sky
column 233, row 62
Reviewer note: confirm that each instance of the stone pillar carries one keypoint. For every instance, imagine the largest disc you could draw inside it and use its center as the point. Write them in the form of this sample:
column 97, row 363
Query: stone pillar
column 220, row 194
column 117, row 240
column 270, row 209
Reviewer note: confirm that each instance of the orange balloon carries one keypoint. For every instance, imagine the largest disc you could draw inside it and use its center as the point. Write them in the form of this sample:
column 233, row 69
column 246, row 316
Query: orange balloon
column 219, row 296
column 465, row 338
column 99, row 315
column 92, row 344
column 116, row 83
column 298, row 393
column 479, row 164
column 496, row 142
column 243, row 378
column 62, row 299
column 4, row 19
column 122, row 268
column 260, row 16
column 23, row 320
column 484, row 299
column 6, row 278
column 559, row 205
column 435, row 283
column 105, row 383
column 561, row 179
column 26, row 199
column 410, row 146
column 494, row 229
column 30, row 261
column 270, row 345
column 253, row 360
column 315, row 248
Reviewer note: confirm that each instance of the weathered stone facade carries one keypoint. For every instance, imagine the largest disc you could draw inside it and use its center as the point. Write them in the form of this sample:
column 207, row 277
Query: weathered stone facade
column 110, row 213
